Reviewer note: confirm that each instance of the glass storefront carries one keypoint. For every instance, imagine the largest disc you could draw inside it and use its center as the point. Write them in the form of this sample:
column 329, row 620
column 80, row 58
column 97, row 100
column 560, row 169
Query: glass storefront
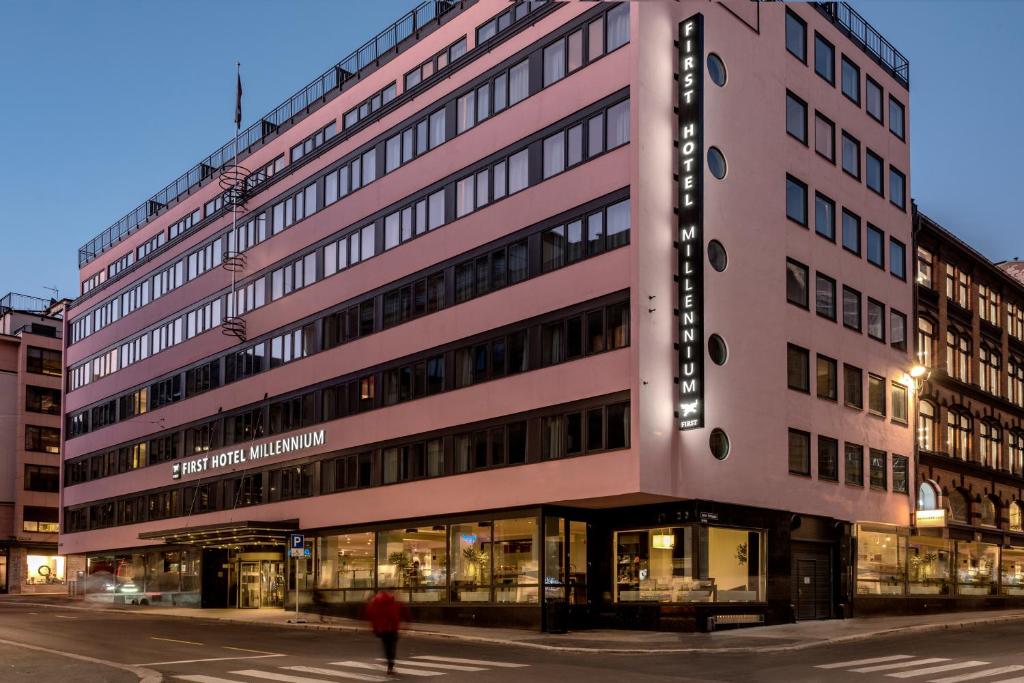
column 412, row 563
column 44, row 570
column 976, row 568
column 929, row 566
column 1012, row 571
column 164, row 576
column 881, row 563
column 690, row 564
column 346, row 567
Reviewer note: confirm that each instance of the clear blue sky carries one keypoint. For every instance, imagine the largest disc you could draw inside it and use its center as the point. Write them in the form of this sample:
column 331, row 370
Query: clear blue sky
column 105, row 102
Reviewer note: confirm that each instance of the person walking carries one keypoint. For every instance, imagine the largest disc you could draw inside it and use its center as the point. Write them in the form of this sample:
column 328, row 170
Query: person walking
column 385, row 616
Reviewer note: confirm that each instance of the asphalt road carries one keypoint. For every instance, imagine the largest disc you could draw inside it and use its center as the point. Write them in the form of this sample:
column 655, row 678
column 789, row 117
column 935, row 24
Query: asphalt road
column 180, row 649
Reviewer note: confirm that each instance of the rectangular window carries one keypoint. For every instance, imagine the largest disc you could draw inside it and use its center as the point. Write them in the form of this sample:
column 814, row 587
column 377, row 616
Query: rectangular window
column 618, row 125
column 465, row 117
column 825, row 137
column 796, row 36
column 851, row 80
column 876, row 320
column 876, row 247
column 618, row 26
column 796, row 117
column 824, row 59
column 41, row 361
column 824, row 217
column 896, row 117
column 875, row 166
column 825, row 296
column 873, row 98
column 851, row 155
column 897, row 188
column 796, row 283
column 827, row 381
column 796, row 200
column 799, row 452
column 519, row 82
column 854, row 464
column 897, row 259
column 851, row 232
column 897, row 330
column 899, row 402
column 879, row 469
column 798, row 368
column 554, row 62
column 42, row 439
column 518, row 171
column 853, row 387
column 828, row 459
column 554, row 154
column 876, row 395
column 900, row 471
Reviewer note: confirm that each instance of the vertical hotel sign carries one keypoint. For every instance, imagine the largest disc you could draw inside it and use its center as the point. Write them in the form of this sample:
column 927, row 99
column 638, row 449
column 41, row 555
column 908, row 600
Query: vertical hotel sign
column 690, row 237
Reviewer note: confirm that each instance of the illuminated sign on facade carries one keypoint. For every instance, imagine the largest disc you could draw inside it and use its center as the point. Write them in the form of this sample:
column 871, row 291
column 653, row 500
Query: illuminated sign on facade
column 690, row 237
column 247, row 454
column 930, row 518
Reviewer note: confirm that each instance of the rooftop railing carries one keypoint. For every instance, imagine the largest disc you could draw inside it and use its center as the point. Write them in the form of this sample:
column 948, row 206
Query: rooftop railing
column 868, row 38
column 12, row 301
column 346, row 69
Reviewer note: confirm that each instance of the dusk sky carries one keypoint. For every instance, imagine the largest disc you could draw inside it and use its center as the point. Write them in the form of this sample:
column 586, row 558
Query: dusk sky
column 105, row 103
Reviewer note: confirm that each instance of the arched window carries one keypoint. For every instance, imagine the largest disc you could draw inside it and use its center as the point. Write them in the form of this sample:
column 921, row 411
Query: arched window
column 1015, row 383
column 927, row 496
column 989, row 511
column 990, row 445
column 991, row 366
column 927, row 426
column 1015, row 516
column 959, row 508
column 958, row 433
column 925, row 342
column 958, row 355
column 1016, row 452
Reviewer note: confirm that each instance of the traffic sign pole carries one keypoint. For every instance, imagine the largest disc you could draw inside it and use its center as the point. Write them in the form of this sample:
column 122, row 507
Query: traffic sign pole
column 297, row 549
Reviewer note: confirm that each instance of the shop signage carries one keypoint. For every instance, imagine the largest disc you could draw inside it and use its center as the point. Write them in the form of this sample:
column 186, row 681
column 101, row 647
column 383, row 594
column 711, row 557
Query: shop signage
column 690, row 226
column 246, row 454
column 930, row 518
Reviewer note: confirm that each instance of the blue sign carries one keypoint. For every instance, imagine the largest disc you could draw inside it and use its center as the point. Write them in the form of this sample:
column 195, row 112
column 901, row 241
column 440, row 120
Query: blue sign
column 296, row 541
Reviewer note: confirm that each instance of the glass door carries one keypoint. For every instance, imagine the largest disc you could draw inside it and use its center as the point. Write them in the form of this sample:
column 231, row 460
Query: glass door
column 273, row 583
column 249, row 585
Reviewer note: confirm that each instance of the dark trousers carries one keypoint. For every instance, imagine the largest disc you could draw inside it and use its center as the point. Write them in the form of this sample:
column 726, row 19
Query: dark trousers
column 390, row 640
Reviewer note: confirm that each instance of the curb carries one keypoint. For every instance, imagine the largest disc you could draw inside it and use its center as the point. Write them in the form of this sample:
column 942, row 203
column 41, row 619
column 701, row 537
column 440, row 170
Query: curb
column 423, row 633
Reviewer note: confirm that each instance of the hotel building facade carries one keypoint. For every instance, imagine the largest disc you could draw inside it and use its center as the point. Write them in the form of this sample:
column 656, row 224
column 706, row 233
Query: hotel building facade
column 30, row 374
column 600, row 306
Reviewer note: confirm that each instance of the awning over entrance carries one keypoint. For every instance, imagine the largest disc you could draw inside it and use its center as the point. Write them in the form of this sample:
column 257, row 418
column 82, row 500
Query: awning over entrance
column 227, row 534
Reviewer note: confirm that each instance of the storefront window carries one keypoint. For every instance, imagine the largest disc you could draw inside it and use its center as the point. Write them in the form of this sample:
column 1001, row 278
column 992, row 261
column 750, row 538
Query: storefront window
column 1012, row 569
column 44, row 569
column 578, row 563
column 881, row 563
column 346, row 566
column 412, row 561
column 929, row 565
column 3, row 573
column 735, row 563
column 554, row 558
column 516, row 561
column 471, row 562
column 976, row 568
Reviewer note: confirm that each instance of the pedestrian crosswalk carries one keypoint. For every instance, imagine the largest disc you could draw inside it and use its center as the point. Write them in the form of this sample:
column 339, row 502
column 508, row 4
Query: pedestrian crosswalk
column 416, row 667
column 930, row 669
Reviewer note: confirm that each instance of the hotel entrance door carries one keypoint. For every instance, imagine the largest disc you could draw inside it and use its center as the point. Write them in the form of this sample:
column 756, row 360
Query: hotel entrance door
column 261, row 583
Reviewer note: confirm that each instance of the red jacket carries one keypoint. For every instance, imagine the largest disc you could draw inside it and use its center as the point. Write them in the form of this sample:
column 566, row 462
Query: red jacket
column 385, row 613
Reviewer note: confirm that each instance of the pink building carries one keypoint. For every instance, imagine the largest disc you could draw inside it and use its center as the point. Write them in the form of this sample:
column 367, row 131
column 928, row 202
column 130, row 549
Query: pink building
column 30, row 375
column 600, row 305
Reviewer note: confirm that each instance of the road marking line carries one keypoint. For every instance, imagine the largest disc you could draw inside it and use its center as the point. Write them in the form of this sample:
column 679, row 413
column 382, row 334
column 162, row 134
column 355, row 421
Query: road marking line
column 175, row 640
column 980, row 674
column 270, row 675
column 938, row 669
column 901, row 665
column 334, row 672
column 481, row 662
column 62, row 616
column 452, row 667
column 1018, row 679
column 145, row 675
column 197, row 678
column 209, row 659
column 858, row 662
column 245, row 649
column 381, row 667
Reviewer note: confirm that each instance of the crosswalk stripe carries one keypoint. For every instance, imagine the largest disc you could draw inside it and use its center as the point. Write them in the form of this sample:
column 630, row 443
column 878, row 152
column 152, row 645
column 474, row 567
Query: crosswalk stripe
column 274, row 676
column 334, row 672
column 980, row 674
column 900, row 665
column 938, row 669
column 433, row 665
column 205, row 679
column 859, row 662
column 381, row 667
column 1016, row 679
column 481, row 662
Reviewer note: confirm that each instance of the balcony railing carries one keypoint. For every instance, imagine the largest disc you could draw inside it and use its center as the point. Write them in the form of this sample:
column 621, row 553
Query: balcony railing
column 12, row 301
column 868, row 38
column 346, row 69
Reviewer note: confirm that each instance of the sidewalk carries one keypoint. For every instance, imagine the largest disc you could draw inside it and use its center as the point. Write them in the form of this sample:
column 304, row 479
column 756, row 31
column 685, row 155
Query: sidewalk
column 761, row 639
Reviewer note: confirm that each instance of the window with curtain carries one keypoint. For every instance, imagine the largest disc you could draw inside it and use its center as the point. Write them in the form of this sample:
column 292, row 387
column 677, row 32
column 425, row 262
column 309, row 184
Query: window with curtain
column 958, row 355
column 519, row 82
column 990, row 442
column 927, row 426
column 925, row 342
column 958, row 433
column 990, row 367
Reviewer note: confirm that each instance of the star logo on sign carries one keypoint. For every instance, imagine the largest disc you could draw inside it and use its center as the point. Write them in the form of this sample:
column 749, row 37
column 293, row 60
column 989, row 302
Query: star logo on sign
column 689, row 408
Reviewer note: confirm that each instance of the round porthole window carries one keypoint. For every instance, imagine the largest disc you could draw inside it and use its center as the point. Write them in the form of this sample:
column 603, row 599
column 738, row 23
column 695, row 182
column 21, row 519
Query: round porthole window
column 717, row 350
column 719, row 443
column 716, row 162
column 716, row 69
column 717, row 256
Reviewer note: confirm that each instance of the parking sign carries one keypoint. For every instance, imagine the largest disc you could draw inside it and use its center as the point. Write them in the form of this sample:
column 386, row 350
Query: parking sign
column 296, row 545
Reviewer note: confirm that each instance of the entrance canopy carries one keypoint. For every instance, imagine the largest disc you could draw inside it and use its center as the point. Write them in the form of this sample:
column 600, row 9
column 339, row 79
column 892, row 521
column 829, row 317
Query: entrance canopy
column 227, row 534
